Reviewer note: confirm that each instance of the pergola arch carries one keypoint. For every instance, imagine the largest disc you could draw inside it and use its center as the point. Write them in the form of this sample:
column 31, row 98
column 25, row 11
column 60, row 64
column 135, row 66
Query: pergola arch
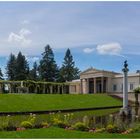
column 33, row 87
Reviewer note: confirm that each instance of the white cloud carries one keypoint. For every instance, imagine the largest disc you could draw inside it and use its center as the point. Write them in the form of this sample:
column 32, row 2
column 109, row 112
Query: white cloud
column 25, row 22
column 109, row 49
column 88, row 50
column 21, row 37
column 24, row 32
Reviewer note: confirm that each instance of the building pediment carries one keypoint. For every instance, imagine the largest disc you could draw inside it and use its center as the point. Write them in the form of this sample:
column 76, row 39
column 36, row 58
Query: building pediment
column 92, row 72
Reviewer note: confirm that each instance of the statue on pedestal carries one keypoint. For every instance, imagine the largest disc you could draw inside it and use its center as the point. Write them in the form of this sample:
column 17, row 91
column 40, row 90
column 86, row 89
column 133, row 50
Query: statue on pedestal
column 126, row 109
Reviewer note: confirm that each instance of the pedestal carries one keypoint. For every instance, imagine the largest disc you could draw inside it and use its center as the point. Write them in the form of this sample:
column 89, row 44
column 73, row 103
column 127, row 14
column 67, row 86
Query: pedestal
column 125, row 111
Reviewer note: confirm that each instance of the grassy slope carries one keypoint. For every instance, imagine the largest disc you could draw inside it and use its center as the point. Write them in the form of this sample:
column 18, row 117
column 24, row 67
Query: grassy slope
column 54, row 132
column 30, row 102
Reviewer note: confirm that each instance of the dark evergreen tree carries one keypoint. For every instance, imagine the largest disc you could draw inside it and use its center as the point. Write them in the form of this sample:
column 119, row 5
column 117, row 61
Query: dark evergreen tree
column 68, row 71
column 33, row 73
column 11, row 67
column 48, row 69
column 22, row 67
column 1, row 75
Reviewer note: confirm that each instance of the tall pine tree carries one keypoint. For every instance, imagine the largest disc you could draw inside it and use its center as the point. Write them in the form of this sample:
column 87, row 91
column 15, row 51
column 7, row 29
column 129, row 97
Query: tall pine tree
column 48, row 69
column 1, row 75
column 11, row 67
column 22, row 67
column 68, row 71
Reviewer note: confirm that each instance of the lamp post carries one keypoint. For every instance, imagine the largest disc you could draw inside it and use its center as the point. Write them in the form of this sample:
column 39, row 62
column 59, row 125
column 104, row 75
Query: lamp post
column 125, row 110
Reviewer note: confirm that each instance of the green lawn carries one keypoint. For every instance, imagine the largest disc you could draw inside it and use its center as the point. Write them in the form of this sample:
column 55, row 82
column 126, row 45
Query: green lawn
column 55, row 132
column 32, row 102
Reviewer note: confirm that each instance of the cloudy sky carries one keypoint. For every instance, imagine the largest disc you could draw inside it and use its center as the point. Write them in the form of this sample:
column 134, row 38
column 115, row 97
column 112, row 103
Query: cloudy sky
column 99, row 34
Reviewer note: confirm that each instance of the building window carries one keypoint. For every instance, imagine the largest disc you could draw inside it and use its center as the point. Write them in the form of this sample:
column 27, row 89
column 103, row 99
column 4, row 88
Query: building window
column 131, row 86
column 114, row 87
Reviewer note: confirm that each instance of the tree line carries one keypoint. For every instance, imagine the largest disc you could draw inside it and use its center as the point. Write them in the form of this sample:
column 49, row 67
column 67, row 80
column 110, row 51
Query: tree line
column 47, row 70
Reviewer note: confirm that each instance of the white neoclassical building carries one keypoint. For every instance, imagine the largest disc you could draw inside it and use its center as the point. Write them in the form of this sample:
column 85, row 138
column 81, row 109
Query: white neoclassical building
column 101, row 81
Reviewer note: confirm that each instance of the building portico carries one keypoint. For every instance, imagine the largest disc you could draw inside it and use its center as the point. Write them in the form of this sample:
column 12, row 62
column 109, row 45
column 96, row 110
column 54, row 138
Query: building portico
column 95, row 81
column 94, row 85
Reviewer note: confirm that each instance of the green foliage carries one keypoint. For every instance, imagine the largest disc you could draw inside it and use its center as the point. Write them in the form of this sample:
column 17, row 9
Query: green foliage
column 4, row 122
column 99, row 130
column 68, row 71
column 17, row 67
column 137, row 90
column 48, row 69
column 112, row 128
column 30, row 122
column 58, row 120
column 45, row 124
column 137, row 128
column 32, row 118
column 26, row 124
column 60, row 123
column 10, row 125
column 80, row 126
column 1, row 75
column 22, row 67
column 33, row 72
column 11, row 67
column 68, row 117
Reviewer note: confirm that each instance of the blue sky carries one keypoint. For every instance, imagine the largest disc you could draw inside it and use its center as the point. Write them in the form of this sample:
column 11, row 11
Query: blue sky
column 99, row 34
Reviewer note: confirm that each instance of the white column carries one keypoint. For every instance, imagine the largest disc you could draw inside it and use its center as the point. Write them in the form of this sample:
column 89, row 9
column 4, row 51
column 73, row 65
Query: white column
column 125, row 90
column 102, row 84
column 87, row 88
column 21, row 84
column 94, row 85
column 126, row 110
column 84, row 86
column 81, row 86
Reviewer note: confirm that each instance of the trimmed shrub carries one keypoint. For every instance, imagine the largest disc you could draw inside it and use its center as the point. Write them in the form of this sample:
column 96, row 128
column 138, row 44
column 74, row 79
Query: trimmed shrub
column 80, row 126
column 99, row 130
column 26, row 124
column 44, row 124
column 112, row 128
column 60, row 124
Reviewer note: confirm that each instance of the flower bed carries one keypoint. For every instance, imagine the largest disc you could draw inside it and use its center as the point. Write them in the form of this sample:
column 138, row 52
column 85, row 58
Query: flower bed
column 62, row 121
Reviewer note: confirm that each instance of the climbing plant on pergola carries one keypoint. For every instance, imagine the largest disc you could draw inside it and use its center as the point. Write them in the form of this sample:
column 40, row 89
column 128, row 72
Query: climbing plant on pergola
column 39, row 87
